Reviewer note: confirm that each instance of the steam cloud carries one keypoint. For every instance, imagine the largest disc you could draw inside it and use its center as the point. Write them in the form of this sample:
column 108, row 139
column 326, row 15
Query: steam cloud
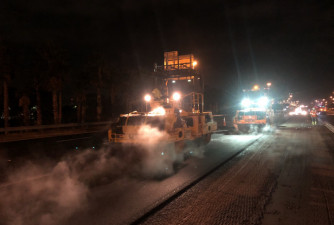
column 54, row 195
column 46, row 200
column 159, row 153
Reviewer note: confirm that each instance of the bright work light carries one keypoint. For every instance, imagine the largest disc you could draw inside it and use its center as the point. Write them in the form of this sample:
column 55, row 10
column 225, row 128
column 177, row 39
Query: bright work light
column 176, row 96
column 246, row 102
column 147, row 98
column 263, row 101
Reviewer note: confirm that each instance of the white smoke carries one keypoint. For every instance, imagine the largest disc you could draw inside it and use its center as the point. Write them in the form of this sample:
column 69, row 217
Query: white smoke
column 37, row 194
column 95, row 166
column 47, row 195
column 47, row 199
column 158, row 151
column 195, row 149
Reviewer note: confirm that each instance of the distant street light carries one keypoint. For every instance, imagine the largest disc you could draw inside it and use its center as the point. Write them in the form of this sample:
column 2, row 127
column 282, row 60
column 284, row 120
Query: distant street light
column 147, row 99
column 256, row 87
column 268, row 87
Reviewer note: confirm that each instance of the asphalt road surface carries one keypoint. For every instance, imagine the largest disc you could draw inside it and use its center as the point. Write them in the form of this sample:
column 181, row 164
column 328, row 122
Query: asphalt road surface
column 327, row 118
column 285, row 176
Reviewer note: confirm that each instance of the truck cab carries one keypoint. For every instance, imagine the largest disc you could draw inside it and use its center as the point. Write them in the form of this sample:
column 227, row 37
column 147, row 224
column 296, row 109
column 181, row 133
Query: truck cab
column 248, row 119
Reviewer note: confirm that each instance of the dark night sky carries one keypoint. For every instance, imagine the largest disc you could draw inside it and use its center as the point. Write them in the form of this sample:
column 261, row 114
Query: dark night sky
column 238, row 43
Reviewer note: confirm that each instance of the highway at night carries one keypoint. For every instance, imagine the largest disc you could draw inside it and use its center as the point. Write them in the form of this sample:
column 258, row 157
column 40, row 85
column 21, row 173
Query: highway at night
column 166, row 112
column 283, row 176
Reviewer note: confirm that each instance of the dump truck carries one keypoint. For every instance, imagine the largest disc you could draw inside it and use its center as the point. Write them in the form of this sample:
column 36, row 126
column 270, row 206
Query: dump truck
column 255, row 113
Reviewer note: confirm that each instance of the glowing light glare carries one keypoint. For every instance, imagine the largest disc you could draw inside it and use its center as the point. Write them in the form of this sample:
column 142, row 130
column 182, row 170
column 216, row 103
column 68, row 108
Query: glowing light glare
column 268, row 84
column 246, row 102
column 266, row 128
column 176, row 96
column 194, row 63
column 256, row 87
column 263, row 101
column 147, row 98
column 298, row 111
column 158, row 111
column 173, row 81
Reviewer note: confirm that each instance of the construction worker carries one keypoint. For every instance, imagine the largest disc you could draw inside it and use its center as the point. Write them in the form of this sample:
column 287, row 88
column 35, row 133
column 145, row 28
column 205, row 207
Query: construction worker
column 314, row 118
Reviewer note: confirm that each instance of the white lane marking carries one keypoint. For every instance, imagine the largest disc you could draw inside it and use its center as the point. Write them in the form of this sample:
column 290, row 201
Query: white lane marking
column 329, row 126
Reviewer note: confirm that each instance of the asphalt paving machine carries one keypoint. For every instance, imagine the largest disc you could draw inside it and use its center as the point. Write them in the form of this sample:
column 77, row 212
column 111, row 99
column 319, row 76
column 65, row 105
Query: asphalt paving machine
column 175, row 107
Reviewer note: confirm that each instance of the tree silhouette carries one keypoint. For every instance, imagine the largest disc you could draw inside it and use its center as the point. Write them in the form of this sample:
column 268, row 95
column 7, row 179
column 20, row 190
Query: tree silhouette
column 24, row 102
column 97, row 67
column 5, row 79
column 37, row 86
column 80, row 82
column 57, row 67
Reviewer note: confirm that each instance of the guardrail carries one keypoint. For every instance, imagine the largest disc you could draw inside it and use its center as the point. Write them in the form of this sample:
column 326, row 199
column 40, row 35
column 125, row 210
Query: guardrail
column 52, row 127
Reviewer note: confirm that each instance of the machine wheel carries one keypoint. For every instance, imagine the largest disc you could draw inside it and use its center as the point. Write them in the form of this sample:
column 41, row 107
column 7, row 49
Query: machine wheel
column 244, row 129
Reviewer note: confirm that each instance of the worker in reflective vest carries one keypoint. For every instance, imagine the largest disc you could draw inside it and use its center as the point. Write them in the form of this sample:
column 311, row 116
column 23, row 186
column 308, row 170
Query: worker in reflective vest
column 313, row 114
